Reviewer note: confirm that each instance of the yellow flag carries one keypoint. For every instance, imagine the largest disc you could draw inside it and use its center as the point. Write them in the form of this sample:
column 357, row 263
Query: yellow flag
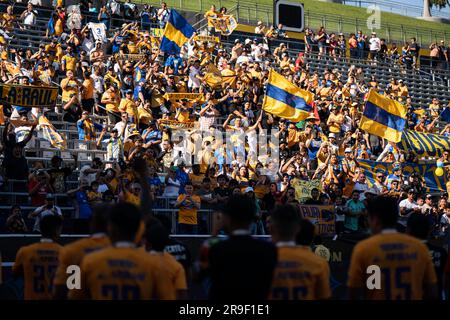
column 213, row 77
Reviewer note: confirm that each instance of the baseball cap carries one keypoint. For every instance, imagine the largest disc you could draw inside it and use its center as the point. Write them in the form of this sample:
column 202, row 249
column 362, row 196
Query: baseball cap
column 348, row 150
column 428, row 196
column 129, row 91
column 49, row 196
column 237, row 40
column 332, row 135
column 249, row 189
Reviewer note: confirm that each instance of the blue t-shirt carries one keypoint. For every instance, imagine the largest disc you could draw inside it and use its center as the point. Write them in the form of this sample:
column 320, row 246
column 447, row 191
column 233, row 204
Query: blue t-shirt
column 117, row 43
column 174, row 62
column 84, row 209
column 314, row 148
column 152, row 136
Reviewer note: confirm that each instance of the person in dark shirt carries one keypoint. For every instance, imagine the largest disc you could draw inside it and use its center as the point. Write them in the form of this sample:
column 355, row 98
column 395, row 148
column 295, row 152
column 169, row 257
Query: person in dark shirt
column 240, row 268
column 418, row 226
column 315, row 197
column 221, row 192
column 59, row 174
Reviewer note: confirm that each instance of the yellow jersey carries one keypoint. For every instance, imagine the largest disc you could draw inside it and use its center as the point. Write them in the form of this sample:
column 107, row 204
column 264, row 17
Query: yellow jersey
column 88, row 85
column 112, row 107
column 128, row 106
column 71, row 89
column 404, row 262
column 70, row 62
column 173, row 273
column 188, row 210
column 121, row 272
column 37, row 263
column 300, row 275
column 73, row 254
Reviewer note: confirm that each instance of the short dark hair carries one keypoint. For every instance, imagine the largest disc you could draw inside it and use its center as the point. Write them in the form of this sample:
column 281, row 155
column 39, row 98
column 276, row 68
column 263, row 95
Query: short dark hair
column 384, row 208
column 100, row 214
column 306, row 234
column 156, row 234
column 241, row 208
column 286, row 219
column 126, row 218
column 49, row 225
column 418, row 226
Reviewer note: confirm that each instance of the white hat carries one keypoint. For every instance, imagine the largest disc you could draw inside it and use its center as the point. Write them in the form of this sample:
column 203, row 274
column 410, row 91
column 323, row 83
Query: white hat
column 348, row 150
column 332, row 135
column 247, row 41
column 259, row 22
column 249, row 189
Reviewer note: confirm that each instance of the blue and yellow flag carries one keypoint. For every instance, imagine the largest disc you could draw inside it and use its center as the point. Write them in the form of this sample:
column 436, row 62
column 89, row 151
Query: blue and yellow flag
column 286, row 100
column 424, row 144
column 383, row 117
column 176, row 33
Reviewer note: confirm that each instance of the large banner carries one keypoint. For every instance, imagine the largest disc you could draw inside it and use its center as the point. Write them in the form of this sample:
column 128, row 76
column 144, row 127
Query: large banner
column 424, row 144
column 131, row 57
column 433, row 183
column 225, row 24
column 28, row 96
column 321, row 216
column 303, row 188
column 50, row 134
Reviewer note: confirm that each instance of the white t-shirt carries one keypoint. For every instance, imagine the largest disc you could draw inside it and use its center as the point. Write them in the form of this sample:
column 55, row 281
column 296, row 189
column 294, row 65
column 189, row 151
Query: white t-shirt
column 89, row 177
column 405, row 203
column 45, row 212
column 193, row 82
column 98, row 83
column 374, row 44
column 98, row 31
column 30, row 18
column 88, row 45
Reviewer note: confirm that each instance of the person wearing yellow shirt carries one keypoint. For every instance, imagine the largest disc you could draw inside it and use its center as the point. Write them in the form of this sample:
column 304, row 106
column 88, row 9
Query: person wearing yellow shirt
column 70, row 86
column 87, row 97
column 111, row 99
column 434, row 108
column 54, row 50
column 182, row 113
column 211, row 14
column 112, row 78
column 188, row 204
column 335, row 120
column 300, row 273
column 155, row 240
column 144, row 115
column 133, row 195
column 402, row 89
column 69, row 61
column 129, row 106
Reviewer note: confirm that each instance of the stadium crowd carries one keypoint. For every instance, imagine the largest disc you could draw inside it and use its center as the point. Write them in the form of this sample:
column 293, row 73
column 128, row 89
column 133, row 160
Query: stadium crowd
column 119, row 90
column 99, row 78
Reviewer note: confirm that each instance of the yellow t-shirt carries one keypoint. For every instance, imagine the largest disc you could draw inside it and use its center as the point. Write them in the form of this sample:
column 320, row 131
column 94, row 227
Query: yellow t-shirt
column 72, row 89
column 405, row 264
column 88, row 85
column 188, row 212
column 300, row 275
column 113, row 107
column 143, row 115
column 128, row 106
column 38, row 263
column 338, row 120
column 71, row 62
column 100, row 280
column 58, row 27
column 211, row 14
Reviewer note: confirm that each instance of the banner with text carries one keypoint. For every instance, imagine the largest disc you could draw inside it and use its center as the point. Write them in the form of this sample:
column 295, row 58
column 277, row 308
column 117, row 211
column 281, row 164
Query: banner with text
column 321, row 216
column 28, row 96
column 433, row 183
column 225, row 24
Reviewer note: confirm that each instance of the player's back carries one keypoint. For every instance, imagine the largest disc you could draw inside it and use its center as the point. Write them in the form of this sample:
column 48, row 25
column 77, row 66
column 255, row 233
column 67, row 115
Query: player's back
column 404, row 262
column 172, row 272
column 38, row 262
column 300, row 275
column 120, row 273
column 73, row 253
